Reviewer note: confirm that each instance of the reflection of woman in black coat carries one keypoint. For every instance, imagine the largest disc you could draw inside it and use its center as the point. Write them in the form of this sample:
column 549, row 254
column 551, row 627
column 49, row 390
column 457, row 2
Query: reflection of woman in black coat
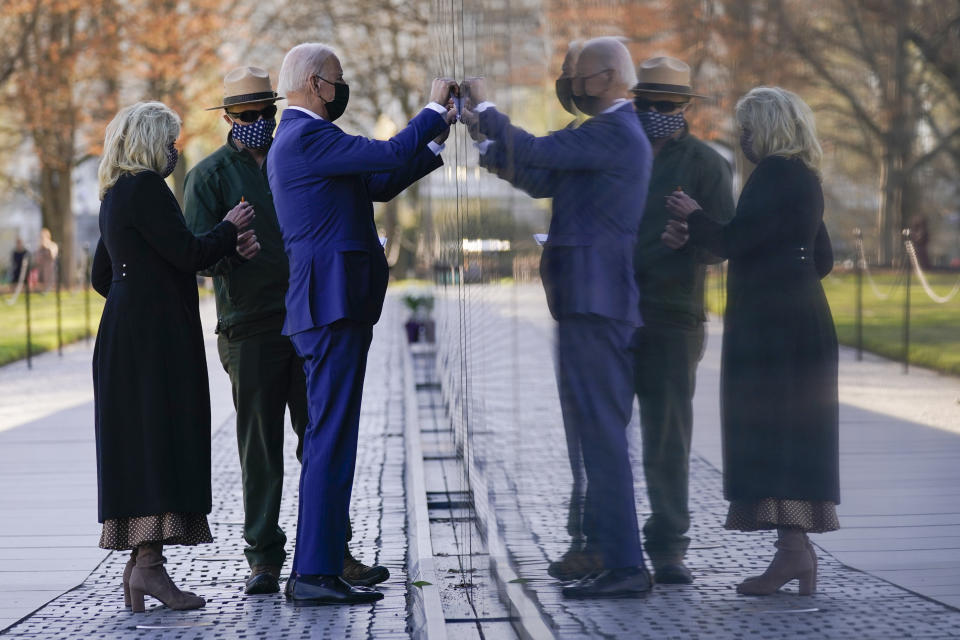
column 149, row 369
column 779, row 371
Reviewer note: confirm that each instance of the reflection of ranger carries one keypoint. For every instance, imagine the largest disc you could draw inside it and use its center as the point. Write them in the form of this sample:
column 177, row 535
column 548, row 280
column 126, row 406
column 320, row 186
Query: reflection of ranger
column 670, row 343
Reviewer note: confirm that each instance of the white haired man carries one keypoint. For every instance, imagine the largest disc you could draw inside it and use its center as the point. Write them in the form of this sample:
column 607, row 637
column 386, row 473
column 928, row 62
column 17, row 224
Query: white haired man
column 265, row 372
column 596, row 174
column 324, row 183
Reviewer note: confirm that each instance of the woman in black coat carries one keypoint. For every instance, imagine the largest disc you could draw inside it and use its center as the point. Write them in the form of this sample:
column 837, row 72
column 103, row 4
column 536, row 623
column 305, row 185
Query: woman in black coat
column 149, row 369
column 779, row 363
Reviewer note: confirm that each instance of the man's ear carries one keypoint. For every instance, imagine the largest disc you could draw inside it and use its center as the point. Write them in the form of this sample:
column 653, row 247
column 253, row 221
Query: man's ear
column 227, row 119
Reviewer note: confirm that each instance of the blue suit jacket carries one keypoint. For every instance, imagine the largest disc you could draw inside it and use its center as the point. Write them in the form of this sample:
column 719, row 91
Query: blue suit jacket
column 597, row 175
column 324, row 183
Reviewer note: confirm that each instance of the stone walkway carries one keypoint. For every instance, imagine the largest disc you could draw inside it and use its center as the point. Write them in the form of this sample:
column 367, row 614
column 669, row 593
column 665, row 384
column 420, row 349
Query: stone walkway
column 515, row 433
column 94, row 609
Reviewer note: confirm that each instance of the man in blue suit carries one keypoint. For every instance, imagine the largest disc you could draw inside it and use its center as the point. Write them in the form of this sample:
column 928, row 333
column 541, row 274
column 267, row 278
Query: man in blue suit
column 597, row 175
column 324, row 183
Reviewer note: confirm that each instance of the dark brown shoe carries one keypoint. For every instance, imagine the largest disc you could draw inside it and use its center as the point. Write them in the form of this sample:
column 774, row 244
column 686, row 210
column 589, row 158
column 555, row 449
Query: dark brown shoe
column 675, row 573
column 263, row 579
column 575, row 564
column 361, row 575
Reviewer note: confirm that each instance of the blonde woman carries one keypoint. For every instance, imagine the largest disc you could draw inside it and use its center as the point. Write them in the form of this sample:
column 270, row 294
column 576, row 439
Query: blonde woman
column 779, row 371
column 149, row 369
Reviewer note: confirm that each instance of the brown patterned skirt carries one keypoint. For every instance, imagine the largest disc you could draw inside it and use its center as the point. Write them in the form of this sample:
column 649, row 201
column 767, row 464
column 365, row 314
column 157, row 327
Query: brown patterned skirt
column 123, row 534
column 772, row 513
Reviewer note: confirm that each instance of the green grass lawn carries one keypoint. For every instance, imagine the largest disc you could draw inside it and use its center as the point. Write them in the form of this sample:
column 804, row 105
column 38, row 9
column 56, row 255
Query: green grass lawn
column 43, row 322
column 934, row 328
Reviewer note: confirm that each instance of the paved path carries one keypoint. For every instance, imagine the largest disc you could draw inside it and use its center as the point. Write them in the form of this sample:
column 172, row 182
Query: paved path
column 509, row 405
column 49, row 533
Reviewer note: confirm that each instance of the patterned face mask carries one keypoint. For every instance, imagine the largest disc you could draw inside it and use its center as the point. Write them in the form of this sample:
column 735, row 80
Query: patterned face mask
column 658, row 125
column 172, row 156
column 258, row 135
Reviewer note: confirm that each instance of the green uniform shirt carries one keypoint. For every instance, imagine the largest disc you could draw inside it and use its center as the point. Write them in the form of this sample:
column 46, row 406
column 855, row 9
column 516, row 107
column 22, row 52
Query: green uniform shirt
column 671, row 282
column 249, row 293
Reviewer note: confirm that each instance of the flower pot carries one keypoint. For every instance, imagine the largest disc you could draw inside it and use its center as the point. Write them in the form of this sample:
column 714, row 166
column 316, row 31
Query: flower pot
column 413, row 330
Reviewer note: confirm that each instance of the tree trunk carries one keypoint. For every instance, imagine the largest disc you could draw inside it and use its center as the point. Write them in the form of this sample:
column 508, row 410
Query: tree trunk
column 898, row 145
column 56, row 190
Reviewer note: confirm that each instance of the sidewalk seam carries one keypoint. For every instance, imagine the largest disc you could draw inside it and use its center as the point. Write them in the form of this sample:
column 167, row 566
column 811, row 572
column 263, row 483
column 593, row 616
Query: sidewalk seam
column 530, row 620
column 426, row 609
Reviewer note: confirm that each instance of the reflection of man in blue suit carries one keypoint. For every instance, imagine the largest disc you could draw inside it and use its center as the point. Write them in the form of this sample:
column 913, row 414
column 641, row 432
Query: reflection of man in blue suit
column 324, row 183
column 597, row 175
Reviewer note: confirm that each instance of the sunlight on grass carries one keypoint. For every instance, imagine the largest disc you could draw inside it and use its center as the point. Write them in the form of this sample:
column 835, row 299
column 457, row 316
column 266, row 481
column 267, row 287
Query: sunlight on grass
column 934, row 328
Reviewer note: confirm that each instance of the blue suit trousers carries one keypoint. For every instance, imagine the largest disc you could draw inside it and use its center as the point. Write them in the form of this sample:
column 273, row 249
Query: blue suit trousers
column 595, row 376
column 335, row 361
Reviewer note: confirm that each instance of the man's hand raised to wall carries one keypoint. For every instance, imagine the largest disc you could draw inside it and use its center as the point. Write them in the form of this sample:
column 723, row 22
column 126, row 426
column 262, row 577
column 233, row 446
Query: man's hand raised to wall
column 443, row 89
column 474, row 91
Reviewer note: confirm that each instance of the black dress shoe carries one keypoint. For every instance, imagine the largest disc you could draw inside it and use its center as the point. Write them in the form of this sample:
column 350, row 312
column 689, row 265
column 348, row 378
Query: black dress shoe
column 629, row 582
column 673, row 574
column 263, row 580
column 310, row 591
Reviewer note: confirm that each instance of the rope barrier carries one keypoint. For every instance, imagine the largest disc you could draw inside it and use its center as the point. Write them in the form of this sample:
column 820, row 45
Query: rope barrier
column 873, row 285
column 912, row 252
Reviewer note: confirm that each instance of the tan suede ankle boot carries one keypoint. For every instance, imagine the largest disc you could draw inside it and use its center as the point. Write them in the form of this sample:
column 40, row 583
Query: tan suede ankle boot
column 150, row 578
column 127, row 570
column 793, row 561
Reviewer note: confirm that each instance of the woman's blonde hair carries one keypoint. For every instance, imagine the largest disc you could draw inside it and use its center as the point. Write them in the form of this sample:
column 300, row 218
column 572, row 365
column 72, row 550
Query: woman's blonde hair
column 781, row 124
column 137, row 139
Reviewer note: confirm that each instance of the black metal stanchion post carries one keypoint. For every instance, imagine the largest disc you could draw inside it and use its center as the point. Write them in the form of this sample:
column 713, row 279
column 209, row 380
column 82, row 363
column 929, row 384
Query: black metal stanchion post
column 86, row 291
column 58, row 274
column 861, row 256
column 906, row 303
column 26, row 301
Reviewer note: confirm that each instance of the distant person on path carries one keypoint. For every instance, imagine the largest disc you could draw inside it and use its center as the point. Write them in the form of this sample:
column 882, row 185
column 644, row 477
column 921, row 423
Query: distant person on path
column 597, row 175
column 324, row 183
column 45, row 259
column 670, row 342
column 780, row 409
column 151, row 393
column 265, row 372
column 17, row 258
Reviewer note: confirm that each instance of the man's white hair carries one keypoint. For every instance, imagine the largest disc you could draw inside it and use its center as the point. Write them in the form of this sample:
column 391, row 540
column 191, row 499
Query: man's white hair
column 615, row 51
column 300, row 64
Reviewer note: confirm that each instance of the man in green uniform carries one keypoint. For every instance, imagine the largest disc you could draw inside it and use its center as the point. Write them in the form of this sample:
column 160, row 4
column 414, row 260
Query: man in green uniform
column 670, row 344
column 265, row 372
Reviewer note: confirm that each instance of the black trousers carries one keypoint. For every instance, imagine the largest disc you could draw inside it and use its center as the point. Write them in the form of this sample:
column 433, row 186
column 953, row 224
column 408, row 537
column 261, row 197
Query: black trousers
column 665, row 376
column 267, row 378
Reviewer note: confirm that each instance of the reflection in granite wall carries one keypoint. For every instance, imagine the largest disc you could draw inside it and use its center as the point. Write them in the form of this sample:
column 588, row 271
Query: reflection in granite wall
column 495, row 335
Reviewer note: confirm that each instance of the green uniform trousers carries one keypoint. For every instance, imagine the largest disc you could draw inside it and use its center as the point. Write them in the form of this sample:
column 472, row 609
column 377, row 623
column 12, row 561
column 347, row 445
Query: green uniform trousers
column 665, row 376
column 267, row 377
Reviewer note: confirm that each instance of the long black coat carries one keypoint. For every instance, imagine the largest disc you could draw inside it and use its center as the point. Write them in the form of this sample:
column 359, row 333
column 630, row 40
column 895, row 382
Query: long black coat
column 779, row 363
column 150, row 383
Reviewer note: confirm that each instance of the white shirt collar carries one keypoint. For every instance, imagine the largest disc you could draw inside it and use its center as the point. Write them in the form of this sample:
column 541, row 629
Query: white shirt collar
column 616, row 105
column 306, row 111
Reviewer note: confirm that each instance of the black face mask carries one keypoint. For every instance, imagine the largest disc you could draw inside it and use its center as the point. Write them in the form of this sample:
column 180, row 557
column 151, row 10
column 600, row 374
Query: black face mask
column 341, row 97
column 589, row 105
column 565, row 95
